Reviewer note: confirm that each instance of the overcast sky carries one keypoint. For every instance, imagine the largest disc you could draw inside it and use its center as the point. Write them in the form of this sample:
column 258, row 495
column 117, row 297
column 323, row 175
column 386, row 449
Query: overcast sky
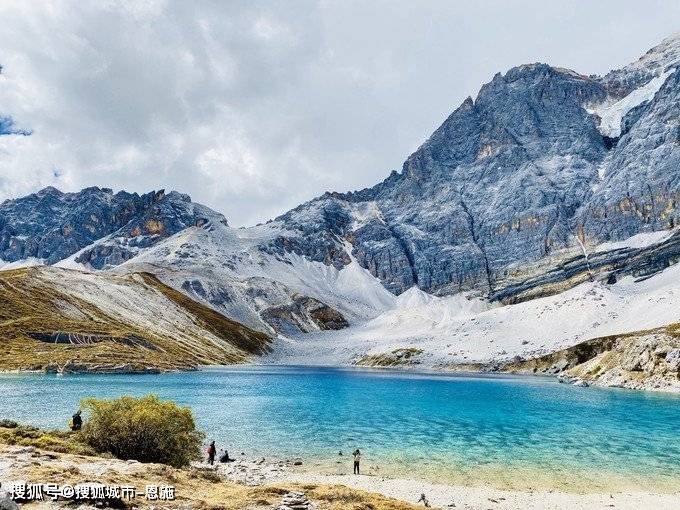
column 253, row 107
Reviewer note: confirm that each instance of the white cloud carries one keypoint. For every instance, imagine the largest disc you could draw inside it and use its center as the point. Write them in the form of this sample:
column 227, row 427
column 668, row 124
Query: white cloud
column 253, row 107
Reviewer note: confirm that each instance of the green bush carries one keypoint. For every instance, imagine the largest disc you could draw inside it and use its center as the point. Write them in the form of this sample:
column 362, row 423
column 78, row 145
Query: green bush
column 144, row 429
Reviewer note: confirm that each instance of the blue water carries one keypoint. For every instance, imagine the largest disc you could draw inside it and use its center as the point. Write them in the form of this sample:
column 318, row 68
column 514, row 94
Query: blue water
column 511, row 431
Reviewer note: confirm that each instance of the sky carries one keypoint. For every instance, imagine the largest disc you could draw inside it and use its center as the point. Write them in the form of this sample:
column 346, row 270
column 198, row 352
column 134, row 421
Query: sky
column 254, row 107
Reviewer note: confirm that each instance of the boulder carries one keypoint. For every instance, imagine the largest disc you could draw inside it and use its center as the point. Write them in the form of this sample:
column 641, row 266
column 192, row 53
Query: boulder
column 6, row 501
column 673, row 360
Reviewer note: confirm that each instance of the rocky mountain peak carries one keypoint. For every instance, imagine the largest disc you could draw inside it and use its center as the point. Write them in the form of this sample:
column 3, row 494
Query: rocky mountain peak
column 51, row 225
column 659, row 60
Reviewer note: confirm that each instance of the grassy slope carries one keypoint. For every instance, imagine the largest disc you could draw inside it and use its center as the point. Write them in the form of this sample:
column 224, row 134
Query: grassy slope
column 237, row 334
column 30, row 305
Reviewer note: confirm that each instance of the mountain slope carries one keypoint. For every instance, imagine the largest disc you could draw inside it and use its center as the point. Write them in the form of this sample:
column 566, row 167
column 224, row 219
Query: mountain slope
column 57, row 319
column 451, row 331
column 647, row 360
column 50, row 225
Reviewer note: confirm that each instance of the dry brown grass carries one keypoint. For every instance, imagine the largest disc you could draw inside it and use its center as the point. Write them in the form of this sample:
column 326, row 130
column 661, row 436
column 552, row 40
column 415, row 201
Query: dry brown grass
column 30, row 306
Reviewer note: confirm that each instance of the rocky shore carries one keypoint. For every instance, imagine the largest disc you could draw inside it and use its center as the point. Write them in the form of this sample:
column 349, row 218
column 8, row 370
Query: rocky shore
column 252, row 485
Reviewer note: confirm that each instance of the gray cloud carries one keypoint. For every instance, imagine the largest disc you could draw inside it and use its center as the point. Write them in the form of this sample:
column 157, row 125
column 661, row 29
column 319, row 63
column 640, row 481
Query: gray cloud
column 253, row 107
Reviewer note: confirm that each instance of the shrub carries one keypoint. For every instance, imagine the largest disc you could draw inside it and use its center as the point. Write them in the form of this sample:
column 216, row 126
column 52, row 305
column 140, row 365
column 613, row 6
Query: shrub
column 144, row 429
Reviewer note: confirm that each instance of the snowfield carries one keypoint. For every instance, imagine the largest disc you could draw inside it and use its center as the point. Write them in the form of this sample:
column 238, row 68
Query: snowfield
column 225, row 268
column 454, row 330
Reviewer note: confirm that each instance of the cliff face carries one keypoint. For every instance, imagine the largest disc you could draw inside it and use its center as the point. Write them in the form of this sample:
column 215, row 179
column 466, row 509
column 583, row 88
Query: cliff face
column 543, row 160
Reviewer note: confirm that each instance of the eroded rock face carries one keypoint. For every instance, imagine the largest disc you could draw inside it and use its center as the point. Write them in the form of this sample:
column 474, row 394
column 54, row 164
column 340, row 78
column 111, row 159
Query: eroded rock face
column 303, row 315
column 647, row 360
column 510, row 178
column 51, row 225
column 641, row 186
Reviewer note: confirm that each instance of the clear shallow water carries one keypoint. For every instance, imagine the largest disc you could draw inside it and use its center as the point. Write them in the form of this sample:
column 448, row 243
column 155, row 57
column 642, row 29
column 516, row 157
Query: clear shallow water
column 514, row 432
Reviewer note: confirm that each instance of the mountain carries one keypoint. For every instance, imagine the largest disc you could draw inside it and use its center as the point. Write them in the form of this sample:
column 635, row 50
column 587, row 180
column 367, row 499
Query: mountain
column 50, row 225
column 548, row 180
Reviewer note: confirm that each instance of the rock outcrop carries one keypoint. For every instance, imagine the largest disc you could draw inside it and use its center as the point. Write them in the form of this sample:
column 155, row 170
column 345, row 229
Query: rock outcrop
column 295, row 501
column 648, row 360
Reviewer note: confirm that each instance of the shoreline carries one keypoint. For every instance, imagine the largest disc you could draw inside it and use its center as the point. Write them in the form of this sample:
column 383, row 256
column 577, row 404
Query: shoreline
column 252, row 476
column 463, row 370
column 274, row 478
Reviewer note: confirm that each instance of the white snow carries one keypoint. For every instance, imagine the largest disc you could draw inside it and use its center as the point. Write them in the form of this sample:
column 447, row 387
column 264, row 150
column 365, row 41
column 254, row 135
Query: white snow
column 29, row 262
column 659, row 58
column 611, row 113
column 365, row 212
column 228, row 260
column 641, row 240
column 458, row 330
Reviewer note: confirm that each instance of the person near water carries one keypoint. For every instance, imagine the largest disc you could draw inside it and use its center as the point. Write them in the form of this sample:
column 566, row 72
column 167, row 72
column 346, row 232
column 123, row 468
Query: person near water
column 77, row 421
column 225, row 457
column 212, row 451
column 424, row 501
column 357, row 460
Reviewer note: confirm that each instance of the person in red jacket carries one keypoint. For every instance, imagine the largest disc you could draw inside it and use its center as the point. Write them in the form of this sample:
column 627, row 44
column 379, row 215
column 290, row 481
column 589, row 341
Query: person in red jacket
column 212, row 451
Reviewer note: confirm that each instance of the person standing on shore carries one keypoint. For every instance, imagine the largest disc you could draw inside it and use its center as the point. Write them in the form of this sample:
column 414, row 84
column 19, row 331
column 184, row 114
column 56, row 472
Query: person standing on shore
column 77, row 421
column 357, row 460
column 212, row 451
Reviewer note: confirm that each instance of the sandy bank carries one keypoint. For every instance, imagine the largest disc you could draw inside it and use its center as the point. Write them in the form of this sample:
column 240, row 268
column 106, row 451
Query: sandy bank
column 482, row 498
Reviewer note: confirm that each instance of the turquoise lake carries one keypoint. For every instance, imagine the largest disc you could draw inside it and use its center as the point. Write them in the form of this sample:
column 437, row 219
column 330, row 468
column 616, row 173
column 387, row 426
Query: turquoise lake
column 504, row 431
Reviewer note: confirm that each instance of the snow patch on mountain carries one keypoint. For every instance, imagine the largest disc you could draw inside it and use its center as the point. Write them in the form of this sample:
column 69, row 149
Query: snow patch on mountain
column 227, row 269
column 641, row 240
column 18, row 264
column 129, row 300
column 658, row 58
column 611, row 113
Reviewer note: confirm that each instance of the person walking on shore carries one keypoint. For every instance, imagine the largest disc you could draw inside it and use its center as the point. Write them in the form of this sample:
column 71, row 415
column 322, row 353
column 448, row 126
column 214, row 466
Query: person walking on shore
column 357, row 460
column 212, row 451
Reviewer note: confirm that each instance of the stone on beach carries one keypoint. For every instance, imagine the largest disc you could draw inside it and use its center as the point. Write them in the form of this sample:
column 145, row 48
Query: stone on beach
column 295, row 501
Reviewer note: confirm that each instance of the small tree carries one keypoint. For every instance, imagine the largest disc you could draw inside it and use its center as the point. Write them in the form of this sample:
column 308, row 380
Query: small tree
column 145, row 429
